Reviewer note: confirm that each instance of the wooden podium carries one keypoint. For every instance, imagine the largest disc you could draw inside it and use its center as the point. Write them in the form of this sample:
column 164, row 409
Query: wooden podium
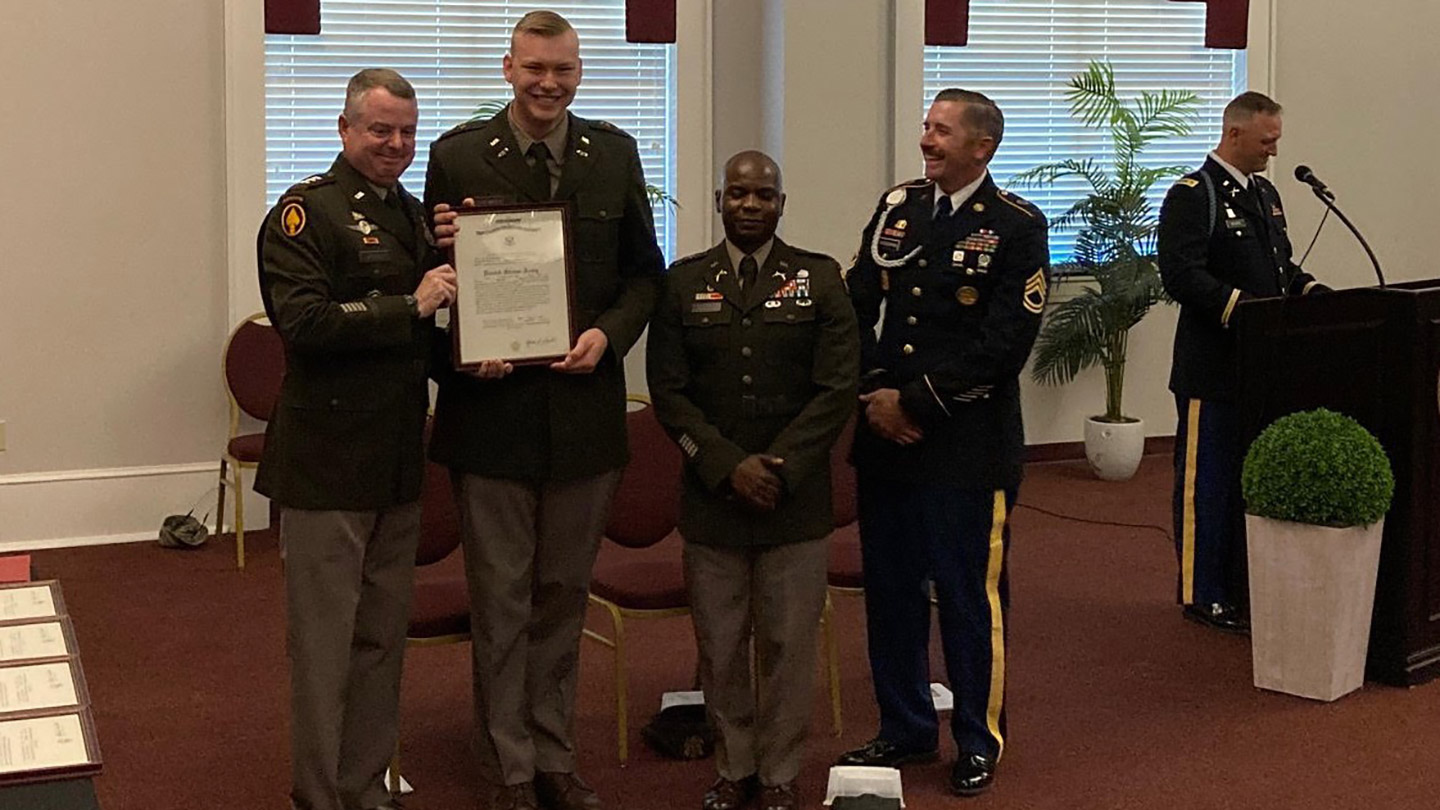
column 1373, row 355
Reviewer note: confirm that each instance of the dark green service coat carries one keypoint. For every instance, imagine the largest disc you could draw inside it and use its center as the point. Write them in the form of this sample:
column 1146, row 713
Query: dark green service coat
column 771, row 370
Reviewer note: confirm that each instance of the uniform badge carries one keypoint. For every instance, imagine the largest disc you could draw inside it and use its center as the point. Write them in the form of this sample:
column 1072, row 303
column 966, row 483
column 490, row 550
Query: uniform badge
column 984, row 260
column 978, row 207
column 292, row 219
column 958, row 257
column 981, row 241
column 1276, row 212
column 1188, row 182
column 802, row 273
column 805, row 302
column 708, row 295
column 967, row 296
column 357, row 216
column 1035, row 289
column 895, row 197
column 900, row 224
column 773, row 303
column 363, row 226
column 370, row 240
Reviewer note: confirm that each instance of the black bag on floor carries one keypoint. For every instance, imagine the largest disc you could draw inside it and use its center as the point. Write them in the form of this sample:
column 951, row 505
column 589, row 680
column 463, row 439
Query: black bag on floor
column 680, row 732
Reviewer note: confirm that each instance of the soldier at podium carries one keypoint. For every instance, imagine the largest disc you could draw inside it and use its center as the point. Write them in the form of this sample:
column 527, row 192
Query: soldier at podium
column 1222, row 239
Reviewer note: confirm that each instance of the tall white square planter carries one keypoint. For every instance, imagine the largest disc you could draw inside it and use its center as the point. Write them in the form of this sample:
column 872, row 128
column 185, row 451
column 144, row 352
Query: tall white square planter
column 1312, row 589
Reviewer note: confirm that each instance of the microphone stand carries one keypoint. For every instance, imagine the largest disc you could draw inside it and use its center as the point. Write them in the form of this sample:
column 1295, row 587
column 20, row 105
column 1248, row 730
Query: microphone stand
column 1329, row 201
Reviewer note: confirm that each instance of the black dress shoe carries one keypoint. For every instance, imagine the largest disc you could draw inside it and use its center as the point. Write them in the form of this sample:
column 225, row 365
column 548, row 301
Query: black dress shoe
column 972, row 774
column 729, row 794
column 1222, row 617
column 879, row 753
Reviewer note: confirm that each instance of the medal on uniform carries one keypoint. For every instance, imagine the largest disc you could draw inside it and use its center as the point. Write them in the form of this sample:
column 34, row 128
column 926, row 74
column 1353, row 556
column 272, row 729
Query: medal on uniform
column 967, row 296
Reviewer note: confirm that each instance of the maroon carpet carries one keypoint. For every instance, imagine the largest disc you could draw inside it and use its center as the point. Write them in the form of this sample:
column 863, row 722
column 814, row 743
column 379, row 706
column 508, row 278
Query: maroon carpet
column 1114, row 701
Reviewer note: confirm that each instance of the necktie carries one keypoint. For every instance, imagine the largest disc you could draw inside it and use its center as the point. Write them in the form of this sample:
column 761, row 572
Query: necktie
column 943, row 208
column 749, row 269
column 540, row 168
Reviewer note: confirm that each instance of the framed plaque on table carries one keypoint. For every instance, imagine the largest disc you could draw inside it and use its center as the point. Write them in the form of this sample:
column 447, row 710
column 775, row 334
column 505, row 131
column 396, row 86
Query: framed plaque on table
column 514, row 277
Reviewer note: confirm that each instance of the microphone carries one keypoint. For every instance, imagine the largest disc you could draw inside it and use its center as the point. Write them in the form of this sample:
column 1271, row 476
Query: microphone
column 1304, row 175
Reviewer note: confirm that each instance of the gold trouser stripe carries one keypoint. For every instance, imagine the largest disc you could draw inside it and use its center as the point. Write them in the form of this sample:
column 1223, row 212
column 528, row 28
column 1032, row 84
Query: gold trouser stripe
column 1187, row 506
column 1229, row 308
column 997, row 621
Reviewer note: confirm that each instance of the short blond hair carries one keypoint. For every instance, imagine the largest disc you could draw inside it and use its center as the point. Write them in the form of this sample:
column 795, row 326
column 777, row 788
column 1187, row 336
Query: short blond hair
column 541, row 23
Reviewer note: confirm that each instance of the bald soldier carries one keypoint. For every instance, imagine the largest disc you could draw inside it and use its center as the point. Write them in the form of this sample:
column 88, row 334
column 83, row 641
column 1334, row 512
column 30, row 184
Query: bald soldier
column 753, row 360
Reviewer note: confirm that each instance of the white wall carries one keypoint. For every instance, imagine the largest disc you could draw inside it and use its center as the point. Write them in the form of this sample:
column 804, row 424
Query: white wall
column 114, row 291
column 113, row 304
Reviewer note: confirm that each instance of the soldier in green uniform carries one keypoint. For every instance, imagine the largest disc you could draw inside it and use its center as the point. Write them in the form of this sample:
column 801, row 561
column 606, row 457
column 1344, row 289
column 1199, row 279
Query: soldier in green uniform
column 753, row 360
column 536, row 451
column 350, row 279
column 962, row 270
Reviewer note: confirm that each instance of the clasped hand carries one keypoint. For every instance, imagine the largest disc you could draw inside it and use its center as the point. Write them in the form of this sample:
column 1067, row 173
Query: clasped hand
column 755, row 481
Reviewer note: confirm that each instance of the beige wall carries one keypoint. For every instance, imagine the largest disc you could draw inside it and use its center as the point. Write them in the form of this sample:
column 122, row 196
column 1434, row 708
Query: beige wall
column 113, row 286
column 114, row 297
column 113, row 233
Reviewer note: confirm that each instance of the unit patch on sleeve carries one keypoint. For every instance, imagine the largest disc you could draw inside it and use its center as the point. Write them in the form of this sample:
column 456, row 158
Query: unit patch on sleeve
column 292, row 219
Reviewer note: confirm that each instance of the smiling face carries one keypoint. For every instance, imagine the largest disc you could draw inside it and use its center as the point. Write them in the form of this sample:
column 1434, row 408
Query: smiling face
column 544, row 72
column 955, row 156
column 752, row 201
column 1251, row 143
column 378, row 135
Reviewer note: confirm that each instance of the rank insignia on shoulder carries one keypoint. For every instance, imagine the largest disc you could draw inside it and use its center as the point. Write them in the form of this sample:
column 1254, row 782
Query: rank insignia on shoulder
column 895, row 197
column 314, row 178
column 1188, row 182
column 292, row 219
column 1035, row 291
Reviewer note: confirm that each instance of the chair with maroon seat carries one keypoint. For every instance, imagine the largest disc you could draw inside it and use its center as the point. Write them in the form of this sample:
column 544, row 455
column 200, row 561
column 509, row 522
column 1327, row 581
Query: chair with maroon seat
column 440, row 609
column 253, row 365
column 638, row 573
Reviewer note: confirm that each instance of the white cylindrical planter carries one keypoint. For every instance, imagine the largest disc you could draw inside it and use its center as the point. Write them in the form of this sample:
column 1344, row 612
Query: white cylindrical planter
column 1114, row 449
column 1312, row 589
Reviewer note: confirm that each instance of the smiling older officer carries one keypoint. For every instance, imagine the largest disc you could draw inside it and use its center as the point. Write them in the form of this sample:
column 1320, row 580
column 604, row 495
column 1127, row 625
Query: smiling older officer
column 962, row 268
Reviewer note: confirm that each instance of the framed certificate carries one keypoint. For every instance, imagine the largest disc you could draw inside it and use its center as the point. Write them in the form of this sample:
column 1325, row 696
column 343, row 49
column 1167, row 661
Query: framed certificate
column 30, row 600
column 515, row 276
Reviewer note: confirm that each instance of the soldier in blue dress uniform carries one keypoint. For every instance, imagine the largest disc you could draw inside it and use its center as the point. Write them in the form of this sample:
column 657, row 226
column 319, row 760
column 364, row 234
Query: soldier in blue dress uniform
column 962, row 268
column 1222, row 239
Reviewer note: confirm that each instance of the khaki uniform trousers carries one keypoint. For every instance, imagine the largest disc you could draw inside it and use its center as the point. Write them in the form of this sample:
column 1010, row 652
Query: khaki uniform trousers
column 349, row 578
column 775, row 593
column 529, row 549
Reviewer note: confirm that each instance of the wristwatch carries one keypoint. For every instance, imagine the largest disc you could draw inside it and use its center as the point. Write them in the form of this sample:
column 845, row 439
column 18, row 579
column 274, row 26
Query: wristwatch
column 413, row 305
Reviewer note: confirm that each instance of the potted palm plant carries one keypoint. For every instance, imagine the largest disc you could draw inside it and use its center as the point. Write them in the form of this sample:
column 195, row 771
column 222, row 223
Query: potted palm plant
column 1317, row 486
column 1115, row 246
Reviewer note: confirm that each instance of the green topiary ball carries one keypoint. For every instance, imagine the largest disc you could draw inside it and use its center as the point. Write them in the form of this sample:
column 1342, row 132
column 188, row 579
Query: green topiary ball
column 1317, row 467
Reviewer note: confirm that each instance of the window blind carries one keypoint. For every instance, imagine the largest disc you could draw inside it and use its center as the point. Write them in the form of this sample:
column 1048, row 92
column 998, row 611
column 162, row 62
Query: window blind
column 451, row 50
column 1022, row 54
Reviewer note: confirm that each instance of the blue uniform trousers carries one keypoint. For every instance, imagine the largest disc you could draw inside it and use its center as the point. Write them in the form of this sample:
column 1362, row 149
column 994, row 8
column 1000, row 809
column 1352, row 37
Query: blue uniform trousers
column 913, row 535
column 1208, row 509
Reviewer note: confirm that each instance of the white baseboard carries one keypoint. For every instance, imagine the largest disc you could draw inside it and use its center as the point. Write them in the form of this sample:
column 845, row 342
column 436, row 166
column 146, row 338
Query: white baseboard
column 114, row 505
